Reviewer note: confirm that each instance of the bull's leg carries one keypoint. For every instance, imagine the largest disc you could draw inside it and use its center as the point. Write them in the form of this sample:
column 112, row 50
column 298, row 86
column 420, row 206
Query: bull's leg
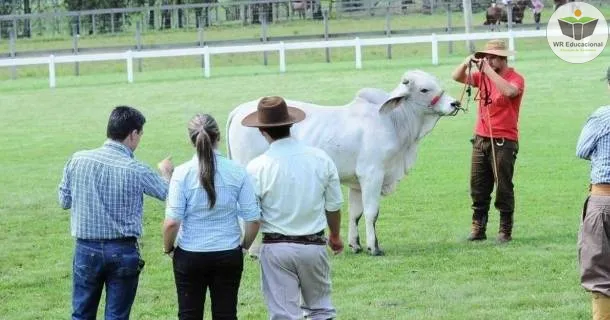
column 355, row 213
column 371, row 194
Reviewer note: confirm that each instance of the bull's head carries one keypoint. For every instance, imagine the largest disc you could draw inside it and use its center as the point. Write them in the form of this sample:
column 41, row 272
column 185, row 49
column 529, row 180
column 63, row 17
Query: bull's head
column 421, row 90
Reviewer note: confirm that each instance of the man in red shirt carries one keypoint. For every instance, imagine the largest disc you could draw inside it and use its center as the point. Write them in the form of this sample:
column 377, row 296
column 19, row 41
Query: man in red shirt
column 495, row 143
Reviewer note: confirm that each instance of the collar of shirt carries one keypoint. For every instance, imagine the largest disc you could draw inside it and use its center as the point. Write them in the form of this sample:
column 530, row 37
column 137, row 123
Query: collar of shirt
column 118, row 147
column 282, row 145
column 196, row 158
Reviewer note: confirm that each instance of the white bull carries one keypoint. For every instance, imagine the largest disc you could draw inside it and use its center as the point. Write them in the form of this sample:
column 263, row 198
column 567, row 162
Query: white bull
column 372, row 140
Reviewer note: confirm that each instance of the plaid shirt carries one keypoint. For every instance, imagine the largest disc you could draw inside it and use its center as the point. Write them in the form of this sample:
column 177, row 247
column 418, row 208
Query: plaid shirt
column 104, row 188
column 594, row 144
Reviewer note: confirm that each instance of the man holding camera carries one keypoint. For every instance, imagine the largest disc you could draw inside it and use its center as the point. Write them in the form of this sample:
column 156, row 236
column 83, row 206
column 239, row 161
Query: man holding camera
column 495, row 143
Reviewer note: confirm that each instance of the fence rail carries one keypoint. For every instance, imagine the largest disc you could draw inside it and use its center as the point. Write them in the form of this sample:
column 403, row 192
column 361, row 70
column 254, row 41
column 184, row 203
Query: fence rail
column 280, row 47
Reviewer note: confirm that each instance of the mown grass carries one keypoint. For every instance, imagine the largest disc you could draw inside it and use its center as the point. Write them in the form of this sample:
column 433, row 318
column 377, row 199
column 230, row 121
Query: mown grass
column 429, row 271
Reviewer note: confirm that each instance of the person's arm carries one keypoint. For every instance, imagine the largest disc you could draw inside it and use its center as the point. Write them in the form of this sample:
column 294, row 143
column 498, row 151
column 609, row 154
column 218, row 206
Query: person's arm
column 587, row 141
column 175, row 210
column 170, row 231
column 65, row 192
column 156, row 185
column 249, row 211
column 333, row 219
column 333, row 201
column 461, row 72
column 508, row 89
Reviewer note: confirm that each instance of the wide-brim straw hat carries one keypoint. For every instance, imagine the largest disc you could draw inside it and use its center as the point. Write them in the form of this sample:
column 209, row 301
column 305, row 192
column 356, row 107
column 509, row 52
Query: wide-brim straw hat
column 273, row 112
column 495, row 47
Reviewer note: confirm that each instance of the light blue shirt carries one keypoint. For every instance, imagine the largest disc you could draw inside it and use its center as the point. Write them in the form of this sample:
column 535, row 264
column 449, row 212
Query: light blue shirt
column 594, row 145
column 203, row 229
column 105, row 189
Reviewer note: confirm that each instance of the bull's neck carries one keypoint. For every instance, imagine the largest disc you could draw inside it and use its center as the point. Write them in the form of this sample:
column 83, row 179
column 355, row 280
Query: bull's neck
column 411, row 125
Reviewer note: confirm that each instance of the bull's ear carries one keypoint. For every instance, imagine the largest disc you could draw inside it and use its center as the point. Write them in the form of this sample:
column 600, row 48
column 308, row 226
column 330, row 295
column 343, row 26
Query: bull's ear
column 396, row 97
column 391, row 104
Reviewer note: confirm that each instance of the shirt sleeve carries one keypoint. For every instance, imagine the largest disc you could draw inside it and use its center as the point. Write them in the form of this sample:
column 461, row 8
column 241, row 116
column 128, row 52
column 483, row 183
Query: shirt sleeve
column 519, row 83
column 153, row 184
column 65, row 192
column 253, row 175
column 587, row 141
column 248, row 204
column 333, row 198
column 175, row 204
column 474, row 79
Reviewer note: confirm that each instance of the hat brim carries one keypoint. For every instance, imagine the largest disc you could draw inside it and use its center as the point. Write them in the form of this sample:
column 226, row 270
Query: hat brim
column 501, row 53
column 294, row 115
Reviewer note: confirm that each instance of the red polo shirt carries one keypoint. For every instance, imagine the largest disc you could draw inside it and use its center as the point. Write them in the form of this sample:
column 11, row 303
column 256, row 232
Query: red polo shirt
column 503, row 111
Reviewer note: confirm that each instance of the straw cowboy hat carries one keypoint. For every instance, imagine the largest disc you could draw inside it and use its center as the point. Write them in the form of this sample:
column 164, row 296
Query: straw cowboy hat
column 273, row 112
column 495, row 47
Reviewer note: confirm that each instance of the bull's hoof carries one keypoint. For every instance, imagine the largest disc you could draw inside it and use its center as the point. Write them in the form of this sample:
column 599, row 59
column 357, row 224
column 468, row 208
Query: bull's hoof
column 376, row 252
column 355, row 248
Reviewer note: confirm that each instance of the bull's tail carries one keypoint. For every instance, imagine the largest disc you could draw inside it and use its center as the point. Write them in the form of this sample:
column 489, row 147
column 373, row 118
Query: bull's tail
column 229, row 121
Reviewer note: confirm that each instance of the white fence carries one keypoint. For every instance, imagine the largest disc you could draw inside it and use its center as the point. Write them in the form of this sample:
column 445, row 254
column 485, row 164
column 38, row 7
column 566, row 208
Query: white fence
column 357, row 43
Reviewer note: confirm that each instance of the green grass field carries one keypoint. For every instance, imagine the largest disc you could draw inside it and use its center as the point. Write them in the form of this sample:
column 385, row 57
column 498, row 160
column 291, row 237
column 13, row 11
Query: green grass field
column 429, row 272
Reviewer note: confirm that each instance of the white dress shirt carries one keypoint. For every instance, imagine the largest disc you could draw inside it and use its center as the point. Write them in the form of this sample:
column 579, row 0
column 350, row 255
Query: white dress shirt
column 296, row 185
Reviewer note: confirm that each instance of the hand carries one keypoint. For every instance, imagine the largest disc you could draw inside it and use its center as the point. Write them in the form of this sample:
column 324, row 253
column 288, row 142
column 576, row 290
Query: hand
column 169, row 253
column 166, row 167
column 335, row 243
column 470, row 59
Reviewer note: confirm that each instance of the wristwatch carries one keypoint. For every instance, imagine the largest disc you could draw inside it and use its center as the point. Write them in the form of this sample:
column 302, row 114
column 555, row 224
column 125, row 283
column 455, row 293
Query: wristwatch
column 170, row 251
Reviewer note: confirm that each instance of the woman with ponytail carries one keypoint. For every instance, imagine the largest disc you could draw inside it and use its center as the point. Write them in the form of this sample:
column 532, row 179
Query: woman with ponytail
column 201, row 232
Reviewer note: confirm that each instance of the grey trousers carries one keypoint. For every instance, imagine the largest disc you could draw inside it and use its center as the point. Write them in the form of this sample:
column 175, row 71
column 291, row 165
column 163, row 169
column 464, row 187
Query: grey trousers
column 594, row 245
column 296, row 281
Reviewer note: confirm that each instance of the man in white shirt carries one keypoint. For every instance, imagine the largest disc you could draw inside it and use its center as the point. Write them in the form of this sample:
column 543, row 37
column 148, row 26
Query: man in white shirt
column 300, row 194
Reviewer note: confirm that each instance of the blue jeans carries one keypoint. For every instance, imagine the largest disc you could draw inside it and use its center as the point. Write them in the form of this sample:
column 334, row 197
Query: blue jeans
column 114, row 263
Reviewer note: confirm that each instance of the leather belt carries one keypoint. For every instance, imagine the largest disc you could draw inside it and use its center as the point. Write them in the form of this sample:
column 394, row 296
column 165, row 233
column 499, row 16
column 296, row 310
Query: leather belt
column 600, row 189
column 316, row 238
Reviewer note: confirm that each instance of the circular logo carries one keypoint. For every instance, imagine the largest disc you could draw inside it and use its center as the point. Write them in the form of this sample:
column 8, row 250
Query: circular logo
column 577, row 32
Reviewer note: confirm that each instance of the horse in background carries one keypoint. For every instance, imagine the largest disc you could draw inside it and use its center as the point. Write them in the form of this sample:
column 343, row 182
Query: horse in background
column 498, row 13
column 559, row 3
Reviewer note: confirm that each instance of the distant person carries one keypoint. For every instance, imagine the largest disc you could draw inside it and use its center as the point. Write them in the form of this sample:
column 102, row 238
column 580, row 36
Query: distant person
column 206, row 197
column 104, row 188
column 299, row 192
column 593, row 238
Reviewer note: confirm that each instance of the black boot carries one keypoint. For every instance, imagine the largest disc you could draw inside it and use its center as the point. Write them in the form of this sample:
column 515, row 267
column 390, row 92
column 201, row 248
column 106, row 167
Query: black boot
column 478, row 227
column 506, row 227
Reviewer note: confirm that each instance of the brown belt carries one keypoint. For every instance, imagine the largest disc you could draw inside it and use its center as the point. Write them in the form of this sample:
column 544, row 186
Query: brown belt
column 317, row 238
column 600, row 189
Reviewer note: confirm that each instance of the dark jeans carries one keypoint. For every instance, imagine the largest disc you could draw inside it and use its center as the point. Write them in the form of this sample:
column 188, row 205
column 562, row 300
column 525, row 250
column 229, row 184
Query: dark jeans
column 482, row 175
column 113, row 263
column 194, row 272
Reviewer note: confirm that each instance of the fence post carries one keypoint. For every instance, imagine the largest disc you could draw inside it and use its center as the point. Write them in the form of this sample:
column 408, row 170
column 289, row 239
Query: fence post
column 388, row 30
column 327, row 49
column 358, row 54
column 111, row 22
column 75, row 36
column 206, row 62
column 93, row 23
column 263, row 19
column 12, row 53
column 52, row 71
column 139, row 43
column 511, row 43
column 129, row 66
column 434, row 49
column 449, row 27
column 282, row 57
column 509, row 12
column 201, row 36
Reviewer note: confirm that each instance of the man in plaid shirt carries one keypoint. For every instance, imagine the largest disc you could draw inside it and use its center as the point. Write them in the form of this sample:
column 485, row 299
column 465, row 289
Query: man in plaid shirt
column 104, row 188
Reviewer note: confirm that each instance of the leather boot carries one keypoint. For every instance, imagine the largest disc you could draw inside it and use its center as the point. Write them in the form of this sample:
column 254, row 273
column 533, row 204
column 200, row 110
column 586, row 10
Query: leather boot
column 506, row 227
column 478, row 227
column 601, row 306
